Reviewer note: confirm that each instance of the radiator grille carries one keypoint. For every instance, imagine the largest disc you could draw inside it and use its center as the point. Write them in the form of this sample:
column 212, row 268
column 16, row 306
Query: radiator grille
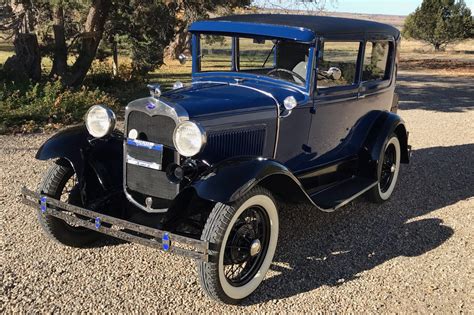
column 236, row 142
column 144, row 182
column 157, row 129
column 150, row 182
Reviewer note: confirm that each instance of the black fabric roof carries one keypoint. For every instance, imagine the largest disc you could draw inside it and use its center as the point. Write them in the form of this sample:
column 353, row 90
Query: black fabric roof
column 320, row 25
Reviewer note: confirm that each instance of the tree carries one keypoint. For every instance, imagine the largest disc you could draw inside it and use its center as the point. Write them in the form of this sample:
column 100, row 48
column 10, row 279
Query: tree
column 144, row 28
column 189, row 11
column 312, row 7
column 29, row 18
column 440, row 23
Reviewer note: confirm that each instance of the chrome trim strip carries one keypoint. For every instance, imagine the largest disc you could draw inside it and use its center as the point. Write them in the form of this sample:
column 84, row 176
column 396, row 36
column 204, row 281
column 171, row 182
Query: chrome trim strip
column 151, row 165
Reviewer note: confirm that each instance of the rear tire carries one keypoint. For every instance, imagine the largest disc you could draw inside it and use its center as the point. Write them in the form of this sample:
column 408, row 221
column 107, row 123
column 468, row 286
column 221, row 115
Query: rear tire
column 246, row 232
column 387, row 171
column 53, row 185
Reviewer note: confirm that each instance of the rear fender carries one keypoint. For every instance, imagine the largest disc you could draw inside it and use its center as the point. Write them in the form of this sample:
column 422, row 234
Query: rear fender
column 385, row 125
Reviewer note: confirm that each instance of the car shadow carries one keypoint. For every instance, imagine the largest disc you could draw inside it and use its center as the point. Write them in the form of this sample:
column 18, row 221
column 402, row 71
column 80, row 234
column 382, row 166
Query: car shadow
column 317, row 249
column 446, row 94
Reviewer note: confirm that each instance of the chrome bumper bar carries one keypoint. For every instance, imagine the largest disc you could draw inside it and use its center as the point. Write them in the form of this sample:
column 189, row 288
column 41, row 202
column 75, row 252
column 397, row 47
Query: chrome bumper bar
column 118, row 228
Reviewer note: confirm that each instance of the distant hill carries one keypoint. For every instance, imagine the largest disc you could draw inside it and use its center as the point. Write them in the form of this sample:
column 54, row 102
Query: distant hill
column 395, row 20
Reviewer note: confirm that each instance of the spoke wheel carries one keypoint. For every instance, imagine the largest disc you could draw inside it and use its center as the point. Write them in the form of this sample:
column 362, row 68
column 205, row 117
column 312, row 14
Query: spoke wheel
column 246, row 246
column 246, row 232
column 60, row 182
column 388, row 169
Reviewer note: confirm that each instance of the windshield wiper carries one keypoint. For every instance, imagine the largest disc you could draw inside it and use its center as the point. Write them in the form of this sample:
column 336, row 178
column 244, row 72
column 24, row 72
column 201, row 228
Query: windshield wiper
column 270, row 53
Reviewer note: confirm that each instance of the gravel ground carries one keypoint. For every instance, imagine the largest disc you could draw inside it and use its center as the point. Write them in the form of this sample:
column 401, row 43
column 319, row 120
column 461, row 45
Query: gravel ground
column 414, row 253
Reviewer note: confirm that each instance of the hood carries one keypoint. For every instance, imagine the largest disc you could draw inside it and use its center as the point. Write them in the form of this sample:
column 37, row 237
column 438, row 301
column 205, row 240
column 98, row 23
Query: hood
column 217, row 98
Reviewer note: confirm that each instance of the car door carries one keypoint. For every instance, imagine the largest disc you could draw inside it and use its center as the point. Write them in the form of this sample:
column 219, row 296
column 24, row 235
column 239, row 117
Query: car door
column 335, row 104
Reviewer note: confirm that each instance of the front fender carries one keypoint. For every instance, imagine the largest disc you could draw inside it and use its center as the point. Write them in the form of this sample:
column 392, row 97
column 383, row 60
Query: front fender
column 100, row 157
column 68, row 144
column 229, row 180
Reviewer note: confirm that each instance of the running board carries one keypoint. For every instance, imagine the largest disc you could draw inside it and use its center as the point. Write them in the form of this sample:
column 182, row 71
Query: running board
column 334, row 197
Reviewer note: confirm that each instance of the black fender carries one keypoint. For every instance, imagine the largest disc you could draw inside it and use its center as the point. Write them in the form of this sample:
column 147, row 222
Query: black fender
column 228, row 180
column 385, row 124
column 90, row 157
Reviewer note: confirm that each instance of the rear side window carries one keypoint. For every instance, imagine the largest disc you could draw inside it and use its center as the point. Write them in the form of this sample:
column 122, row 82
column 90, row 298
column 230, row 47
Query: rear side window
column 336, row 56
column 377, row 61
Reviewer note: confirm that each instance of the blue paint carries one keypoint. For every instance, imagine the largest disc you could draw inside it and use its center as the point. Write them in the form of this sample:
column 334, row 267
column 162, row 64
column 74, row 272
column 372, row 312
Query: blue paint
column 145, row 144
column 244, row 28
column 97, row 223
column 151, row 106
column 43, row 205
column 166, row 242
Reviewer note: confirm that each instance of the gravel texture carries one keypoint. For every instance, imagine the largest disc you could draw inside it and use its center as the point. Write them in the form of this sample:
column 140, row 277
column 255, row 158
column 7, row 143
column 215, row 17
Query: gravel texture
column 414, row 253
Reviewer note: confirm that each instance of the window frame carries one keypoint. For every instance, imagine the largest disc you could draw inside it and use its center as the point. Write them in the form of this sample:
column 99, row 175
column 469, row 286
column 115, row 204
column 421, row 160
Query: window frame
column 332, row 89
column 237, row 55
column 197, row 73
column 390, row 61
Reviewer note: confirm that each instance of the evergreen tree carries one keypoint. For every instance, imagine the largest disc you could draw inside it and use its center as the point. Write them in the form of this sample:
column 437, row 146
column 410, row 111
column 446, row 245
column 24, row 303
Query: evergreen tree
column 440, row 23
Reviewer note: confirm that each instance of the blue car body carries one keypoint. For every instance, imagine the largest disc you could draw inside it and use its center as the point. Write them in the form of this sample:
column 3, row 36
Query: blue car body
column 325, row 151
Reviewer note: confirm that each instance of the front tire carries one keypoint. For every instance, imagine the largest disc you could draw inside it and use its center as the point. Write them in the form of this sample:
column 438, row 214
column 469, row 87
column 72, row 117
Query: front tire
column 246, row 232
column 387, row 171
column 59, row 182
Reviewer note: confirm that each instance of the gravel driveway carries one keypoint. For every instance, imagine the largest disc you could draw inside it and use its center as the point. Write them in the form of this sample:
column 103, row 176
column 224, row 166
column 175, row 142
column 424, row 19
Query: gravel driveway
column 414, row 253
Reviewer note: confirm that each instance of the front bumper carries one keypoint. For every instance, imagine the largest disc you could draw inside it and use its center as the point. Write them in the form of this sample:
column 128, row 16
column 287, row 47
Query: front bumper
column 118, row 228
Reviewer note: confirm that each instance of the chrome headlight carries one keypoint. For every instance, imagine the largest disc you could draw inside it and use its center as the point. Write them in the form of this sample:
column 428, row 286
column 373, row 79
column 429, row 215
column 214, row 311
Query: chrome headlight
column 189, row 138
column 100, row 121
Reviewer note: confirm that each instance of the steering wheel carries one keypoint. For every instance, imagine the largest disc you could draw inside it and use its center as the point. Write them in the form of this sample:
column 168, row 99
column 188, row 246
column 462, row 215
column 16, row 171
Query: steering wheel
column 287, row 72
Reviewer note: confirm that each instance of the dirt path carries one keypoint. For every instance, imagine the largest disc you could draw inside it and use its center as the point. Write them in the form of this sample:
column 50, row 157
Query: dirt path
column 414, row 253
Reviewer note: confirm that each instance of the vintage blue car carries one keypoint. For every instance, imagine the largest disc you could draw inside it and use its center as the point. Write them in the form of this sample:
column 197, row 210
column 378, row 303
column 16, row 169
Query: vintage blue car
column 280, row 108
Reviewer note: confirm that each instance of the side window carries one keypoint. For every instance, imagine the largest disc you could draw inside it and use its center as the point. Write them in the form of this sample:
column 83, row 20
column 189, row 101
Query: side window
column 216, row 53
column 376, row 61
column 338, row 64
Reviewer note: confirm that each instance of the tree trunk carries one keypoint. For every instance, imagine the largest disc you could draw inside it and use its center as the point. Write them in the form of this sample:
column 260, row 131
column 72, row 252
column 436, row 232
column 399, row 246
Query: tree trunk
column 60, row 49
column 90, row 40
column 179, row 45
column 115, row 64
column 26, row 63
column 437, row 46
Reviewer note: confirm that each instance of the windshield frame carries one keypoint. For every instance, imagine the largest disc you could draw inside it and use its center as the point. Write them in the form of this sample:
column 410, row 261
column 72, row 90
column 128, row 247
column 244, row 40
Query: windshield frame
column 234, row 71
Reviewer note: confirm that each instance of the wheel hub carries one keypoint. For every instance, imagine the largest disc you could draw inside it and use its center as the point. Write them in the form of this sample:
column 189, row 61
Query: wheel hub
column 255, row 248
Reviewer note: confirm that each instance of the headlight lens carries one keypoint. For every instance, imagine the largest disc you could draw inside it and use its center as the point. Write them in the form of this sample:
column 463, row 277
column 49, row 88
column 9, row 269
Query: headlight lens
column 100, row 121
column 188, row 138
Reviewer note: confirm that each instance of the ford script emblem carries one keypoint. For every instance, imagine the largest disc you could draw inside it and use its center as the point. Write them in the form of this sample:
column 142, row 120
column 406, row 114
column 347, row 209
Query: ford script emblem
column 151, row 106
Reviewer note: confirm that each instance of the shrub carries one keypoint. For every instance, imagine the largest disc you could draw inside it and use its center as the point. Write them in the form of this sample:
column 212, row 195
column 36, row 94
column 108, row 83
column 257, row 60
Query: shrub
column 31, row 107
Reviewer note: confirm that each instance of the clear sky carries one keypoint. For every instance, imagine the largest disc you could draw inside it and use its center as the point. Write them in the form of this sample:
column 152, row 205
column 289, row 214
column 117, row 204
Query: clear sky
column 392, row 7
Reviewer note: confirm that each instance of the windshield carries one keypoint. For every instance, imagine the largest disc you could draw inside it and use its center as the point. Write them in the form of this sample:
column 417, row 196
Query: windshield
column 280, row 59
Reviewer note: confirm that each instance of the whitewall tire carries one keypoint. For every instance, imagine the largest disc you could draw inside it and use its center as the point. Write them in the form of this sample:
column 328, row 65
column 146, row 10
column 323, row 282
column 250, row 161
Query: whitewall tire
column 388, row 170
column 247, row 234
